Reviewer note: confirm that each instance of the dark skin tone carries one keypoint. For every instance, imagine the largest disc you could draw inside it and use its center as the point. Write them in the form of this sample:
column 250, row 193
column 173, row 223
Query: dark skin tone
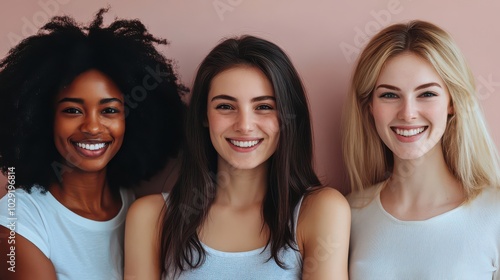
column 88, row 131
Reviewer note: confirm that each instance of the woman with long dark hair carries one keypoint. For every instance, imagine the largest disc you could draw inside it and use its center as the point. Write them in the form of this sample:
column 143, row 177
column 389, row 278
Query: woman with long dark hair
column 248, row 204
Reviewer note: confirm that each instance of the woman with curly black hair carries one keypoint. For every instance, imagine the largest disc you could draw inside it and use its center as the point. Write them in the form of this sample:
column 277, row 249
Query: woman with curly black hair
column 86, row 113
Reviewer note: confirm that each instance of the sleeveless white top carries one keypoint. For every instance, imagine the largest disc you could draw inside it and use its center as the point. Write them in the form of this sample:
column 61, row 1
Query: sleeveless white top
column 249, row 265
column 463, row 243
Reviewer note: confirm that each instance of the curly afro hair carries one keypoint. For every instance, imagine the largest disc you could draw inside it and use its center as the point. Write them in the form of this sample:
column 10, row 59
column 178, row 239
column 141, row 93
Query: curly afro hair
column 39, row 67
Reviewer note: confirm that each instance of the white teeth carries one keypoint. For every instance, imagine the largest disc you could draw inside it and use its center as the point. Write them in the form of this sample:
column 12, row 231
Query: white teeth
column 409, row 132
column 91, row 147
column 244, row 144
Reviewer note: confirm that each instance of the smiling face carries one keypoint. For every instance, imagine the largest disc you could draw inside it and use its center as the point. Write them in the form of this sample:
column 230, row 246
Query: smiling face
column 410, row 106
column 89, row 122
column 242, row 117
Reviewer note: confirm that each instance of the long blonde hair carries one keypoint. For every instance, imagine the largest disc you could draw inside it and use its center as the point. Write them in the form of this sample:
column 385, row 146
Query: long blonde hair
column 468, row 148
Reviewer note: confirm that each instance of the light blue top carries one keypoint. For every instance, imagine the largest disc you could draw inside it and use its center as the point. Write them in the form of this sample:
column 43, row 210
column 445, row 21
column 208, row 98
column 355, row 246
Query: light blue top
column 79, row 248
column 247, row 265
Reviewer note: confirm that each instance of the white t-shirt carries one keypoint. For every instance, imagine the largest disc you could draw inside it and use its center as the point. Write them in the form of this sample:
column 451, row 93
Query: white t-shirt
column 79, row 248
column 463, row 243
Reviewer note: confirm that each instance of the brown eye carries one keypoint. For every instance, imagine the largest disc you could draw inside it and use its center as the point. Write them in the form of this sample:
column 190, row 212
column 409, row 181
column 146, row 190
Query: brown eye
column 71, row 111
column 111, row 111
column 264, row 107
column 224, row 107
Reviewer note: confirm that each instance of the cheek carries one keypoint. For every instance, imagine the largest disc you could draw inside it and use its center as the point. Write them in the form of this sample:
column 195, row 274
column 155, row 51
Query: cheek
column 271, row 123
column 60, row 138
column 379, row 115
column 62, row 129
column 439, row 119
column 381, row 118
column 218, row 124
column 211, row 121
column 274, row 126
column 117, row 129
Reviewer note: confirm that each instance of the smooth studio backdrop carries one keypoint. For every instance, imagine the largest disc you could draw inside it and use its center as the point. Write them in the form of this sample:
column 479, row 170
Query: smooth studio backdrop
column 322, row 37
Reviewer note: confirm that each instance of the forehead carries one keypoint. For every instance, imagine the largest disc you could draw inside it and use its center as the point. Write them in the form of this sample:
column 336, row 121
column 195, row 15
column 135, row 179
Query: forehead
column 408, row 69
column 91, row 84
column 241, row 81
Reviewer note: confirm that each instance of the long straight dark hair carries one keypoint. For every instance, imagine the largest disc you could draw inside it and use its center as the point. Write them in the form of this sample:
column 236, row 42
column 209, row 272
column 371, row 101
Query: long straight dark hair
column 290, row 171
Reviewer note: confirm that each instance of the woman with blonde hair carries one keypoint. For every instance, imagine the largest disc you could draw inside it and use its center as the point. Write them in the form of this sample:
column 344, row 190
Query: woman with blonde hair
column 422, row 166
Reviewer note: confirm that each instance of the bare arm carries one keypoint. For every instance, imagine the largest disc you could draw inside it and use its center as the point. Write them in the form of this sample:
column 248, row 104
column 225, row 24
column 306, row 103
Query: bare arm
column 28, row 262
column 323, row 231
column 142, row 246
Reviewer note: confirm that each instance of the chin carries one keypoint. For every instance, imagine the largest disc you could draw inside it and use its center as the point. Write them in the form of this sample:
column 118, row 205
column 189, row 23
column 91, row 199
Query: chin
column 244, row 165
column 410, row 155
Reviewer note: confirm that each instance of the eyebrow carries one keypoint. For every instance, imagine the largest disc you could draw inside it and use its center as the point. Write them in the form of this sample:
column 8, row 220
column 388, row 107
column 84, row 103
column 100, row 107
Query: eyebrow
column 80, row 101
column 109, row 100
column 255, row 99
column 417, row 88
column 427, row 85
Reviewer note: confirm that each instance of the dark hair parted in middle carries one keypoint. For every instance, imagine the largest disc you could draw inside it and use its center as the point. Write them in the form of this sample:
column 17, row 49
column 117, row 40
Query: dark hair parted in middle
column 37, row 69
column 290, row 167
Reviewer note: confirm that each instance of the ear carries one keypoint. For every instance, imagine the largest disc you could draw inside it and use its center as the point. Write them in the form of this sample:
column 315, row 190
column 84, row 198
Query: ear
column 451, row 110
column 205, row 122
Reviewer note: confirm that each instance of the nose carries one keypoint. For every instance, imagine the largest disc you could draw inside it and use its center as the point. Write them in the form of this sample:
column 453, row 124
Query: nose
column 408, row 110
column 92, row 125
column 245, row 122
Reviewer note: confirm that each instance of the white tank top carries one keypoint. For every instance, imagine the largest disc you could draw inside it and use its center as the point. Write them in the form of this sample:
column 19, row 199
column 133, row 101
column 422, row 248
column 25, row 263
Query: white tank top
column 247, row 265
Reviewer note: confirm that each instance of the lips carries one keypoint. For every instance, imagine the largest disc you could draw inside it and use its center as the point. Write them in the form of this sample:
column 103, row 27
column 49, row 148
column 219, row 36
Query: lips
column 91, row 149
column 409, row 132
column 244, row 145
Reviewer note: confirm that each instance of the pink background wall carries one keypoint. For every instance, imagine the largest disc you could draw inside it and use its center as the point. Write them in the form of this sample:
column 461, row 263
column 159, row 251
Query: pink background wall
column 322, row 38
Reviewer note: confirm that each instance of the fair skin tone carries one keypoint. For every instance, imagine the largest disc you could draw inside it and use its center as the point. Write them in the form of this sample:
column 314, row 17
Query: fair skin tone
column 89, row 126
column 244, row 129
column 410, row 106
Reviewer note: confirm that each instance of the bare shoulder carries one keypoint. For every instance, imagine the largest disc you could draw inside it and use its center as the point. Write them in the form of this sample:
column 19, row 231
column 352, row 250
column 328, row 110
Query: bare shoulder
column 150, row 204
column 28, row 261
column 323, row 231
column 146, row 211
column 322, row 209
column 142, row 233
column 324, row 199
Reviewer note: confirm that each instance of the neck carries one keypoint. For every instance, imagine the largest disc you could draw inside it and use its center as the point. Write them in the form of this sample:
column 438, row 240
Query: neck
column 423, row 180
column 241, row 188
column 86, row 193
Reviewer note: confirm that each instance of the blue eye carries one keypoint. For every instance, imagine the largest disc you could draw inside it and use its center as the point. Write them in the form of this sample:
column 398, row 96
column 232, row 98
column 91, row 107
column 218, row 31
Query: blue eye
column 428, row 94
column 388, row 95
